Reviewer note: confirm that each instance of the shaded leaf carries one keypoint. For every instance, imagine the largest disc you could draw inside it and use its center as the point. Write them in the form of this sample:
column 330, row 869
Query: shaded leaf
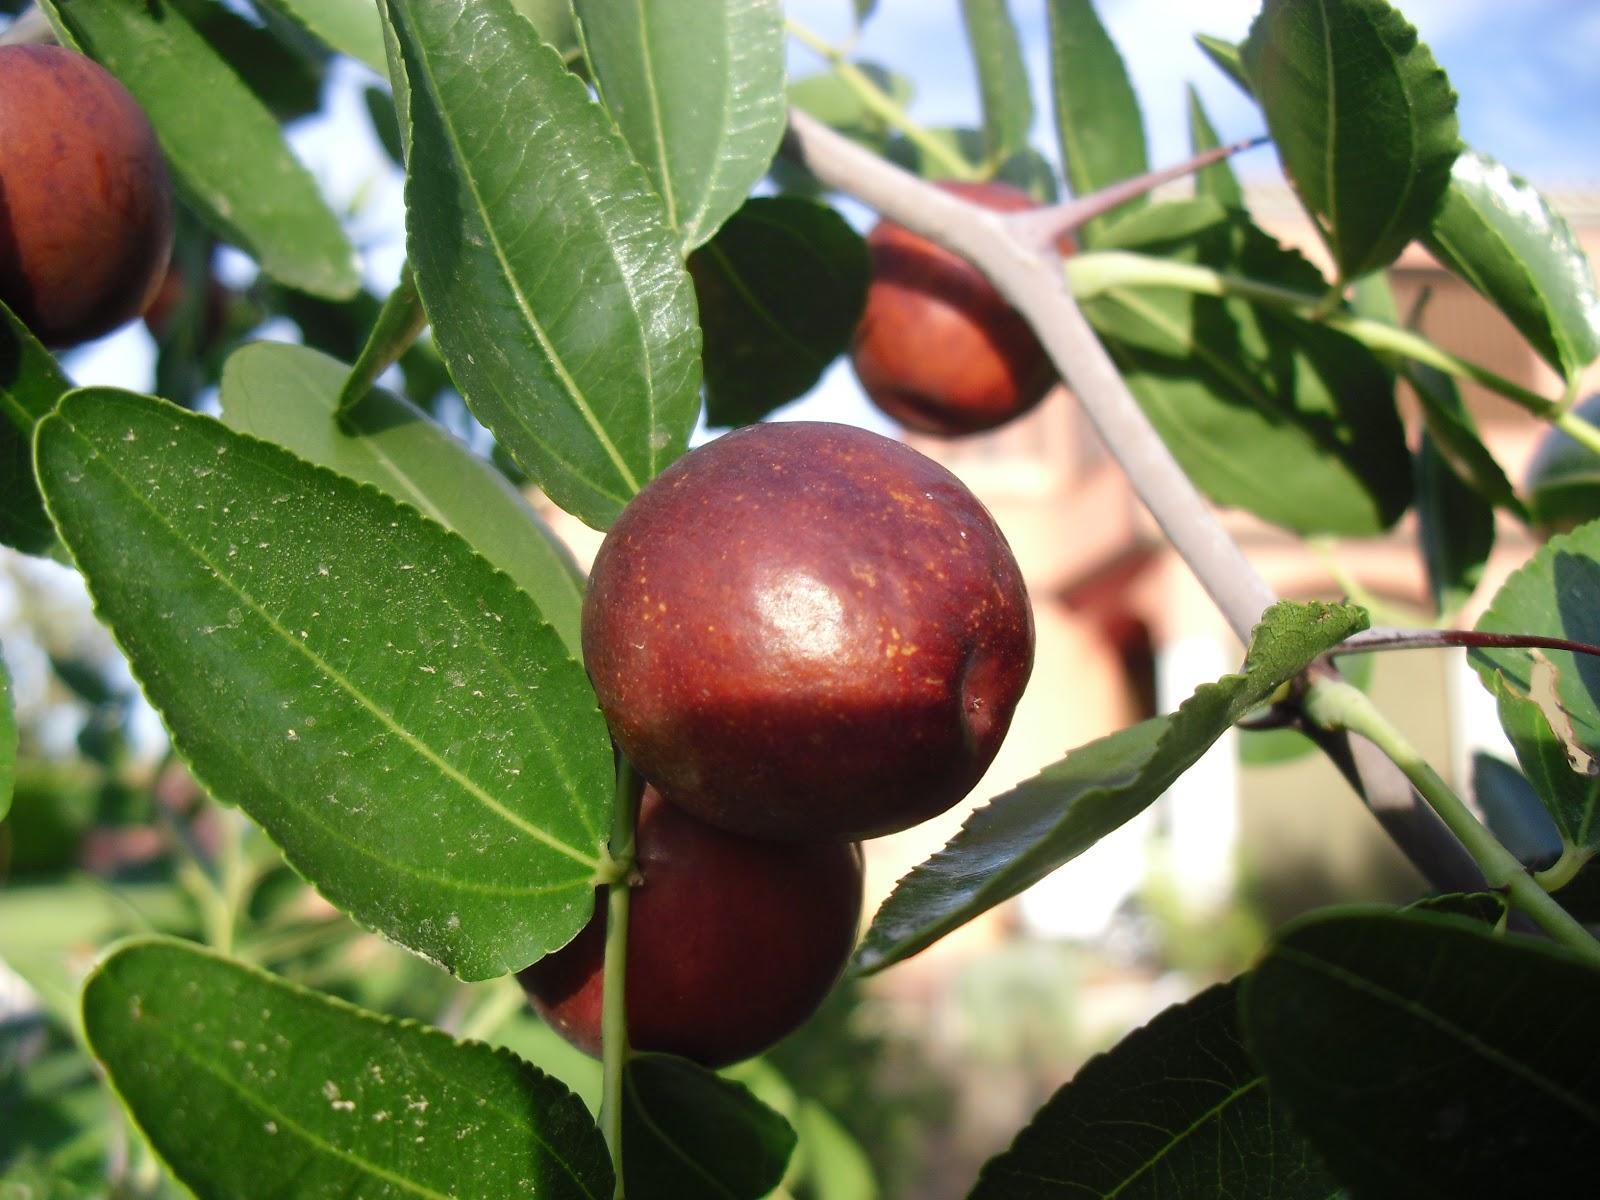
column 1455, row 526
column 385, row 123
column 30, row 384
column 830, row 98
column 1024, row 834
column 250, row 1086
column 1177, row 1108
column 1552, row 594
column 1165, row 221
column 228, row 154
column 1570, row 797
column 1486, row 908
column 8, row 741
column 688, row 1132
column 1563, row 478
column 286, row 78
column 286, row 394
column 1269, row 747
column 545, row 262
column 1245, row 396
column 389, row 707
column 1027, row 169
column 349, row 26
column 556, row 24
column 1363, row 118
column 1497, row 232
column 781, row 288
column 1002, row 76
column 697, row 88
column 1227, row 58
column 1098, row 124
column 1514, row 812
column 1427, row 1057
column 1455, row 436
column 1218, row 180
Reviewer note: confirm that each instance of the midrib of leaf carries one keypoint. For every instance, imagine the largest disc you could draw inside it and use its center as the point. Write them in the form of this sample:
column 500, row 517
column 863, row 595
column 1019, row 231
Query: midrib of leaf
column 1233, row 1096
column 1330, row 150
column 25, row 420
column 657, row 122
column 574, row 392
column 1426, row 1016
column 767, row 318
column 472, row 789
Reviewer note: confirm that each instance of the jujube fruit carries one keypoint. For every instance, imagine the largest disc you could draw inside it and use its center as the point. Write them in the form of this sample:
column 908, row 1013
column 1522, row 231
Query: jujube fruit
column 732, row 942
column 938, row 348
column 86, row 217
column 807, row 631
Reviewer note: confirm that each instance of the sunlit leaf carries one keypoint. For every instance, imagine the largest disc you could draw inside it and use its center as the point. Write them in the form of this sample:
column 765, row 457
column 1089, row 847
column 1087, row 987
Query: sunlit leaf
column 1177, row 1108
column 1218, row 180
column 1501, row 235
column 1363, row 118
column 392, row 709
column 1225, row 55
column 1002, row 76
column 1024, row 834
column 1426, row 1056
column 348, row 26
column 697, row 88
column 1098, row 123
column 250, row 1086
column 545, row 261
column 287, row 394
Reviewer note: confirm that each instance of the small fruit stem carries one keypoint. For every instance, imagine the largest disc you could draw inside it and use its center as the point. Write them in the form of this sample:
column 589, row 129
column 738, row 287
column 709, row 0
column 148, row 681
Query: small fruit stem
column 1334, row 704
column 884, row 105
column 613, row 1011
column 400, row 322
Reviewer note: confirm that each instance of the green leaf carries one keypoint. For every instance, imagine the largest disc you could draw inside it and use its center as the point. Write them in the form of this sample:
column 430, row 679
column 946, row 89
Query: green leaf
column 1027, row 169
column 349, row 26
column 1455, row 436
column 556, row 24
column 287, row 78
column 1455, row 526
column 250, row 1086
column 835, row 1166
column 1097, row 113
column 1516, row 814
column 781, row 288
column 862, row 10
column 388, row 706
column 1165, row 221
column 286, row 394
column 1247, row 396
column 30, row 385
column 1563, row 476
column 829, row 98
column 688, row 1132
column 1218, row 180
column 1552, row 595
column 1425, row 1056
column 227, row 154
column 1176, row 1108
column 1002, row 76
column 697, row 88
column 1486, row 908
column 545, row 261
column 1568, row 796
column 1026, row 833
column 1269, row 747
column 1363, row 118
column 1501, row 235
column 8, row 741
column 1225, row 55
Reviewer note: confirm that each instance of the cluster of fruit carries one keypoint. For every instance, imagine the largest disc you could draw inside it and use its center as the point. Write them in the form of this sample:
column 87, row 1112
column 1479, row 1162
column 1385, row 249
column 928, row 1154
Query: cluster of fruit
column 800, row 634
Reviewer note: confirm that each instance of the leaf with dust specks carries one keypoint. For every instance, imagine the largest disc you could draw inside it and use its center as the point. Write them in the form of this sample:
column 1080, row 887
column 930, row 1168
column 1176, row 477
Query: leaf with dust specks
column 249, row 1086
column 391, row 709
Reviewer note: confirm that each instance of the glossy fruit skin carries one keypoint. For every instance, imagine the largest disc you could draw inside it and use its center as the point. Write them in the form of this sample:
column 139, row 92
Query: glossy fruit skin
column 938, row 349
column 808, row 631
column 732, row 942
column 86, row 211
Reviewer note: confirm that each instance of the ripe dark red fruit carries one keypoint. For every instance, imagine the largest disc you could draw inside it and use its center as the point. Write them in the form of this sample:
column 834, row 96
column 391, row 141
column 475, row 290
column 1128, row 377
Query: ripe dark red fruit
column 808, row 631
column 938, row 349
column 732, row 942
column 86, row 215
